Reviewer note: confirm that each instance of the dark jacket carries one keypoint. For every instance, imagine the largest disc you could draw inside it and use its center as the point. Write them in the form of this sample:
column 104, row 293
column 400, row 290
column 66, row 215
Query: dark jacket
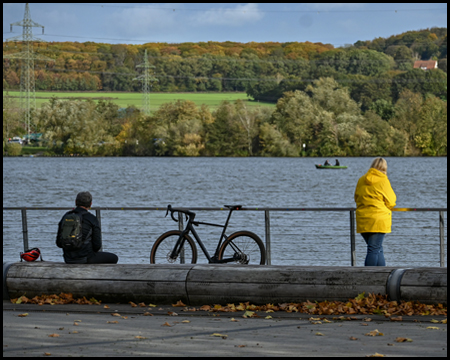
column 91, row 228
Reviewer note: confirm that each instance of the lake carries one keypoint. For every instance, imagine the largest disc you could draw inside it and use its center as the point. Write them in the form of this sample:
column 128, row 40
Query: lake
column 297, row 237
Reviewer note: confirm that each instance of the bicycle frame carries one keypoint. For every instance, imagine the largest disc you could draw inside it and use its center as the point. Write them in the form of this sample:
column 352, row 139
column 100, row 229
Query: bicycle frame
column 190, row 229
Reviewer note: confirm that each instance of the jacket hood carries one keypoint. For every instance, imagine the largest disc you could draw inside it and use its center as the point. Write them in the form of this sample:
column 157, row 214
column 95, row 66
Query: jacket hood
column 374, row 176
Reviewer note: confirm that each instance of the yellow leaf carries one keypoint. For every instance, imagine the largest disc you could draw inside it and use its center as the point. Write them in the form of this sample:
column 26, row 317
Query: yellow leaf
column 75, row 324
column 376, row 355
column 374, row 333
column 360, row 296
column 47, row 354
column 248, row 314
column 434, row 321
column 23, row 315
column 219, row 335
column 444, row 321
column 433, row 327
column 139, row 337
column 185, row 321
column 269, row 311
column 217, row 307
column 115, row 314
column 233, row 319
column 53, row 335
column 326, row 321
column 319, row 334
column 152, row 305
column 106, row 307
column 112, row 322
column 268, row 317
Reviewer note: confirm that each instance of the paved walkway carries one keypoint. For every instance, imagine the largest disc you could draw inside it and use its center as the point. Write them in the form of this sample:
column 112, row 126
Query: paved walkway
column 91, row 330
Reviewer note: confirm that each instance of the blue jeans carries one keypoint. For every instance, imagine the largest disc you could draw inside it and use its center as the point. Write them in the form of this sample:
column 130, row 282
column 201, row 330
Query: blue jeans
column 375, row 256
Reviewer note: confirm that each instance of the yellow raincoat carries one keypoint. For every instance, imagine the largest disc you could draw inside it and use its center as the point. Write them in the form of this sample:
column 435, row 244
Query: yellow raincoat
column 374, row 199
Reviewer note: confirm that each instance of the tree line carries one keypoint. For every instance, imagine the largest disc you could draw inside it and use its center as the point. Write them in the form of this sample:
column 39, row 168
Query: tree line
column 379, row 69
column 323, row 120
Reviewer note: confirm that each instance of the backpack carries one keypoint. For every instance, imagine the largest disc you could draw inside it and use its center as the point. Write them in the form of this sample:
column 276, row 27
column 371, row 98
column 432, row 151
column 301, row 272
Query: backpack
column 72, row 231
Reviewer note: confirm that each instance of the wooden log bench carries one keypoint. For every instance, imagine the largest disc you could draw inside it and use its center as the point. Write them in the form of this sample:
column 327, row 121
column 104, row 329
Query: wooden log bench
column 220, row 284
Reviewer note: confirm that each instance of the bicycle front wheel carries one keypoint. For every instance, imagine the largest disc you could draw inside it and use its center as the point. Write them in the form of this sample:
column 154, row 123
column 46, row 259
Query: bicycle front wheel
column 244, row 247
column 162, row 249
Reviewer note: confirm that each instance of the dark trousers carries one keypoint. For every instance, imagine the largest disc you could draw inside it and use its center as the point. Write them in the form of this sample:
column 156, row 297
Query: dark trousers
column 103, row 257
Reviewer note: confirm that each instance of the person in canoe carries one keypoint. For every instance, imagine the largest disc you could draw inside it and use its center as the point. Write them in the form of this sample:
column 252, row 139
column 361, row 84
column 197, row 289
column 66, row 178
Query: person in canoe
column 327, row 163
column 337, row 163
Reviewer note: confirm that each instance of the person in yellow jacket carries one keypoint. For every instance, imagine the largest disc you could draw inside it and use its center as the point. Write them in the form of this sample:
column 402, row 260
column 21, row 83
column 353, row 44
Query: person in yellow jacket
column 374, row 199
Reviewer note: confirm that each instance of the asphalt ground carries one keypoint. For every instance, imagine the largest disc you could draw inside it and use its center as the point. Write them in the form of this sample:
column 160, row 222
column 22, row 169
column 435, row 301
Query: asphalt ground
column 92, row 330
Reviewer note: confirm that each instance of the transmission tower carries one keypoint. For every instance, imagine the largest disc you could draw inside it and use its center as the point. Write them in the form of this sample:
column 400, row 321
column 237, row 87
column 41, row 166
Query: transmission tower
column 27, row 101
column 147, row 80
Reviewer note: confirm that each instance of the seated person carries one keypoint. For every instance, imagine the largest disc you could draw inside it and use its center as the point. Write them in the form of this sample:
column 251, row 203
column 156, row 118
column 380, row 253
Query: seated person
column 337, row 163
column 89, row 235
column 327, row 163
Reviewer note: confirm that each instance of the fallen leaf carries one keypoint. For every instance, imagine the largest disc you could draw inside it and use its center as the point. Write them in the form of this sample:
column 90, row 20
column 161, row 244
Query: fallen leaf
column 434, row 321
column 23, row 315
column 106, row 307
column 248, row 314
column 172, row 313
column 240, row 346
column 375, row 355
column 74, row 332
column 319, row 334
column 268, row 317
column 112, row 322
column 353, row 338
column 233, row 319
column 53, row 335
column 444, row 321
column 125, row 317
column 142, row 304
column 166, row 324
column 402, row 339
column 219, row 335
column 77, row 321
column 75, row 324
column 147, row 314
column 179, row 304
column 140, row 337
column 47, row 354
column 398, row 318
column 115, row 314
column 132, row 304
column 185, row 321
column 367, row 319
column 152, row 305
column 374, row 333
column 433, row 327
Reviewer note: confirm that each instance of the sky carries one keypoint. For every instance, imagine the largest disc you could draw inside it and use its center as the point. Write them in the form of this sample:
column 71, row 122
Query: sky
column 338, row 24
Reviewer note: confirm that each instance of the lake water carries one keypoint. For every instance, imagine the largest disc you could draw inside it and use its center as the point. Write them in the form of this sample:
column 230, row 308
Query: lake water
column 297, row 238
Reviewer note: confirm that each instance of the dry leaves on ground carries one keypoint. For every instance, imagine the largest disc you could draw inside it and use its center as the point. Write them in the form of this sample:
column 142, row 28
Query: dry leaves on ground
column 63, row 298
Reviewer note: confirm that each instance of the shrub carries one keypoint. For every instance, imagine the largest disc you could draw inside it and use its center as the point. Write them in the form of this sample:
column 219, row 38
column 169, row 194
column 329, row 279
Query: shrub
column 14, row 149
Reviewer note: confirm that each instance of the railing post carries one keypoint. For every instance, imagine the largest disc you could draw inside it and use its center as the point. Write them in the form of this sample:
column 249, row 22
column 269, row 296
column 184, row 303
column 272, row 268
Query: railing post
column 352, row 238
column 267, row 226
column 441, row 239
column 99, row 218
column 181, row 228
column 24, row 229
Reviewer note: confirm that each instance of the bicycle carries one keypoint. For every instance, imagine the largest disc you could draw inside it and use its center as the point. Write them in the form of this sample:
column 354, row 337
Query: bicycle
column 241, row 247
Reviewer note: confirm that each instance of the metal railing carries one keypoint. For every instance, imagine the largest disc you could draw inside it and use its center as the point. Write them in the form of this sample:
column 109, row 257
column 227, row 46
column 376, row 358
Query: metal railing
column 279, row 230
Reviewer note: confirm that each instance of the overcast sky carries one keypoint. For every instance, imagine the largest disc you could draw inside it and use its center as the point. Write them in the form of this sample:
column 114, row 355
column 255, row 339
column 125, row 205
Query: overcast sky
column 131, row 23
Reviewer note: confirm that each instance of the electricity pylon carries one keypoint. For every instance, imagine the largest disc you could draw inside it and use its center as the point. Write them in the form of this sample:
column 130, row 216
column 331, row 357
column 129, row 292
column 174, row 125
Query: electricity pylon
column 27, row 101
column 146, row 79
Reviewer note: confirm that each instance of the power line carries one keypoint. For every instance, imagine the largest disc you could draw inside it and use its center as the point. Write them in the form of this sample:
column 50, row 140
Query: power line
column 259, row 11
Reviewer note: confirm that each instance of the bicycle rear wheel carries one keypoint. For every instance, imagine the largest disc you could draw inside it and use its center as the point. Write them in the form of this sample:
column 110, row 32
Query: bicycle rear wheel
column 245, row 247
column 163, row 247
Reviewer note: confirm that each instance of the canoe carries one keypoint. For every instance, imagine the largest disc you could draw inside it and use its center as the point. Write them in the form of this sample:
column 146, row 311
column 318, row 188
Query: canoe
column 320, row 166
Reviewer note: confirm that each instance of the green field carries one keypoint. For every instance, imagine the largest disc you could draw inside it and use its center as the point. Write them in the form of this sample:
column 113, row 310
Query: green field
column 212, row 100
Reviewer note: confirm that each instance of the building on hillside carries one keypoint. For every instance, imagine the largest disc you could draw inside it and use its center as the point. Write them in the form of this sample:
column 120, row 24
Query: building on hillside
column 425, row 64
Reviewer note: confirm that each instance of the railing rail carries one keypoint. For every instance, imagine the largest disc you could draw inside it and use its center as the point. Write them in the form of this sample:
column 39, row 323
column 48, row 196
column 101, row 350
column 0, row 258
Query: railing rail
column 267, row 215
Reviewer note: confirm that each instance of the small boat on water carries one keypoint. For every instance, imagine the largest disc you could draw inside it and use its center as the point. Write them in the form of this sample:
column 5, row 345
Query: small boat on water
column 320, row 166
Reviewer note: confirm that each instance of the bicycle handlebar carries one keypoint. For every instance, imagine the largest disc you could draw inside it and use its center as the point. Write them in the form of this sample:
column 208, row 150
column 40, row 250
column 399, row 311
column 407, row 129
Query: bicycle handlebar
column 188, row 213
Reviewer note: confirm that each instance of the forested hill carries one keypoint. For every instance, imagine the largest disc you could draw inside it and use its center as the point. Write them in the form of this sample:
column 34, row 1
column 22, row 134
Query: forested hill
column 264, row 70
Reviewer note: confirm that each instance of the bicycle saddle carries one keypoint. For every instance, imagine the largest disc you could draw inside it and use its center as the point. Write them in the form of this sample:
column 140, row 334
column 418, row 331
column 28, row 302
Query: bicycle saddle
column 233, row 207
